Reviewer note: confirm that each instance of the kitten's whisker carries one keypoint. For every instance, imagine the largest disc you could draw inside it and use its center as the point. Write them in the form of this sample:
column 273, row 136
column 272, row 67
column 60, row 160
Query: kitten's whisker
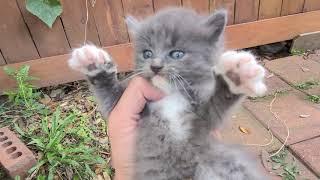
column 174, row 81
column 133, row 75
column 185, row 90
column 184, row 80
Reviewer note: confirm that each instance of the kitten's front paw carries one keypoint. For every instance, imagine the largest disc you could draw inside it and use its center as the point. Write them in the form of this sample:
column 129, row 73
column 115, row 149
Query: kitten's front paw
column 91, row 60
column 242, row 73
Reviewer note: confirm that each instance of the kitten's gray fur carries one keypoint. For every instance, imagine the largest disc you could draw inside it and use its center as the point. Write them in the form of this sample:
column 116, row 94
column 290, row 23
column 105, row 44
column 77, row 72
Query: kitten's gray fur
column 160, row 155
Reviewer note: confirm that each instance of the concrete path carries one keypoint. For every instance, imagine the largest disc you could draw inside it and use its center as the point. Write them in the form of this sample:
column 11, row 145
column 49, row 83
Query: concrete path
column 294, row 97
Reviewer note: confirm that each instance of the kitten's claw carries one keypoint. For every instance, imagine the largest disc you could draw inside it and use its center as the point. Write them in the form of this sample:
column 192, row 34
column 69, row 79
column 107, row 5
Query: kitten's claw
column 91, row 60
column 242, row 73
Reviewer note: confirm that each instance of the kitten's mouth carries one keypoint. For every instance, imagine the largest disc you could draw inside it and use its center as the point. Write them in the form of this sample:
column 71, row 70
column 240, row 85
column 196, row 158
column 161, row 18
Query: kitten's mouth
column 161, row 82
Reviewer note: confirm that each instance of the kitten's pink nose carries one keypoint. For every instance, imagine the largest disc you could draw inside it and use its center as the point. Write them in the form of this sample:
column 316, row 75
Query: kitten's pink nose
column 156, row 69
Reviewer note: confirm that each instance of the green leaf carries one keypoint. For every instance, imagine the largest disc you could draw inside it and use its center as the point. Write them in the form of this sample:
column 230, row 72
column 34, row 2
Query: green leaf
column 37, row 166
column 9, row 71
column 52, row 171
column 19, row 130
column 54, row 122
column 38, row 142
column 41, row 177
column 89, row 171
column 44, row 125
column 24, row 70
column 46, row 10
column 54, row 141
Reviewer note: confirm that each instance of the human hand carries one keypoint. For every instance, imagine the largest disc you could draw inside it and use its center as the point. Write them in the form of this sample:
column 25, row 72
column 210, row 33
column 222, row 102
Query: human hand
column 123, row 120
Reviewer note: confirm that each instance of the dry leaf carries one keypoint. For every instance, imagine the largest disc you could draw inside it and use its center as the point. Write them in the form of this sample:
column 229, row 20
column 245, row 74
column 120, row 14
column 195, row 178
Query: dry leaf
column 98, row 177
column 270, row 75
column 304, row 115
column 56, row 93
column 276, row 166
column 304, row 69
column 45, row 100
column 106, row 176
column 244, row 130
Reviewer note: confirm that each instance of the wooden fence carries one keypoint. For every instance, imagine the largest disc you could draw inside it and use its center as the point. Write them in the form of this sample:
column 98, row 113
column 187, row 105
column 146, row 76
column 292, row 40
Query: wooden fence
column 24, row 39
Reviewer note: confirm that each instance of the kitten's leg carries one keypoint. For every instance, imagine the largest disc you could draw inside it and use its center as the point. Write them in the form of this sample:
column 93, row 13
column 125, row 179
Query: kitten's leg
column 221, row 161
column 238, row 74
column 242, row 73
column 97, row 65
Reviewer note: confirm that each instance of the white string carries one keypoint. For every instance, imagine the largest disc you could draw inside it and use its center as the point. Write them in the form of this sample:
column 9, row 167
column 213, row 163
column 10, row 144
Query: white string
column 283, row 122
column 86, row 24
column 270, row 132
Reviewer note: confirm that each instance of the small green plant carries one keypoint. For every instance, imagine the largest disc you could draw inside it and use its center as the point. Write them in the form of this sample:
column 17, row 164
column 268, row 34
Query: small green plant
column 52, row 139
column 314, row 98
column 297, row 52
column 307, row 85
column 82, row 131
column 25, row 93
column 270, row 96
column 290, row 170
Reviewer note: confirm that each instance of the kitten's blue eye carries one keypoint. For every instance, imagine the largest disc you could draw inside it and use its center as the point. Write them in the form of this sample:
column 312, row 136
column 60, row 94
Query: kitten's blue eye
column 176, row 54
column 147, row 54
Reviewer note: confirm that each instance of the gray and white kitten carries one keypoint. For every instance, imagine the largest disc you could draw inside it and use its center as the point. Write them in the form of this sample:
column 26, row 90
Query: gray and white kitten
column 181, row 53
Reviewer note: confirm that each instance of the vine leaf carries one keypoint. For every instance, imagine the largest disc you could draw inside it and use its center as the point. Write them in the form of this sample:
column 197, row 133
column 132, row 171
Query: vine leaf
column 46, row 10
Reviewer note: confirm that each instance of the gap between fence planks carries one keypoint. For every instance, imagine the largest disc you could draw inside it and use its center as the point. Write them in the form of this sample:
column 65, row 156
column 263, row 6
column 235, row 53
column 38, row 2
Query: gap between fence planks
column 14, row 34
column 311, row 5
column 246, row 11
column 292, row 7
column 2, row 61
column 108, row 16
column 226, row 4
column 54, row 70
column 269, row 9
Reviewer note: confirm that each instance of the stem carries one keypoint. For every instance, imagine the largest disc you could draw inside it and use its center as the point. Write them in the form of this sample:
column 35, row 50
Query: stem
column 21, row 87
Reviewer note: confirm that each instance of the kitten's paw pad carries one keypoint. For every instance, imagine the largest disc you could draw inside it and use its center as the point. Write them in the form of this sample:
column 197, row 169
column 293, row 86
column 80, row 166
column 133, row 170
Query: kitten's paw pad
column 91, row 60
column 242, row 73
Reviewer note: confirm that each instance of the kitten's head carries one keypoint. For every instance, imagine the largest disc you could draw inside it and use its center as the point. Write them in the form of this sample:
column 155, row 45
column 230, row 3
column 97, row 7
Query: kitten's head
column 180, row 46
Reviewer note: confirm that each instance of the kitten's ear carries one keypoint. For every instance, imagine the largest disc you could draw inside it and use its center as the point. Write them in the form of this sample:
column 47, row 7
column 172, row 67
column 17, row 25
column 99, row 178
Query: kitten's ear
column 132, row 23
column 215, row 24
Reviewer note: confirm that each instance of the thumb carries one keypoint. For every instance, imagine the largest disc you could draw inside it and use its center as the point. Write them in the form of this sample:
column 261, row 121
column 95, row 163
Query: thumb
column 150, row 92
column 138, row 92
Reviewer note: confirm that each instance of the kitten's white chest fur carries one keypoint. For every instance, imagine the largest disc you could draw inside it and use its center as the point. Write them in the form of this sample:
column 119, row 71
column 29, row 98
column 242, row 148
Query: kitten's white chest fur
column 172, row 108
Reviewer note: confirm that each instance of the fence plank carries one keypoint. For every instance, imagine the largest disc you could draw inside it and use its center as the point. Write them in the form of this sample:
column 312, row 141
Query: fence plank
column 229, row 5
column 49, row 42
column 138, row 8
column 291, row 7
column 311, row 5
column 74, row 18
column 14, row 34
column 108, row 15
column 270, row 9
column 160, row 4
column 54, row 70
column 274, row 30
column 2, row 61
column 201, row 6
column 246, row 11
